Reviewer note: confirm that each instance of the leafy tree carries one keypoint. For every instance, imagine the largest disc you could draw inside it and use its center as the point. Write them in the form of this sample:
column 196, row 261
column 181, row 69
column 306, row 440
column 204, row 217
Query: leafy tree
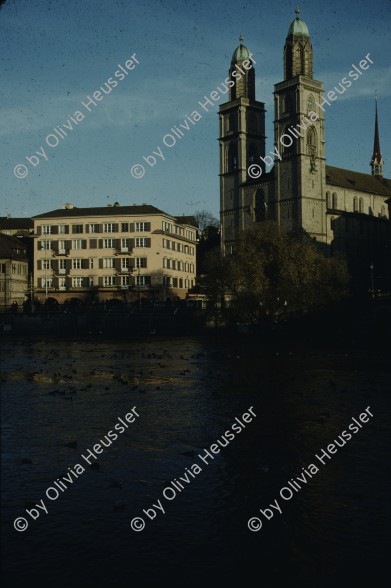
column 273, row 273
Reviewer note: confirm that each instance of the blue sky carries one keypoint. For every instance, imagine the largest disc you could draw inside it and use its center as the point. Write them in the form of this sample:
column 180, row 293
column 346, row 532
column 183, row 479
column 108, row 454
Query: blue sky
column 56, row 52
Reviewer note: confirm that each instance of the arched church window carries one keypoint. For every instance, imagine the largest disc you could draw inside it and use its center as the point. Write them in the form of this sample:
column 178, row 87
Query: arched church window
column 328, row 200
column 260, row 206
column 287, row 140
column 335, row 201
column 252, row 122
column 355, row 204
column 287, row 104
column 310, row 103
column 252, row 153
column 230, row 122
column 311, row 137
column 232, row 157
column 361, row 205
column 298, row 59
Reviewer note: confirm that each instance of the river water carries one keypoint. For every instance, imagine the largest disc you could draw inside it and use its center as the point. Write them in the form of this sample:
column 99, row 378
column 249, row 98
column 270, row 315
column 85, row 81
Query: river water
column 61, row 397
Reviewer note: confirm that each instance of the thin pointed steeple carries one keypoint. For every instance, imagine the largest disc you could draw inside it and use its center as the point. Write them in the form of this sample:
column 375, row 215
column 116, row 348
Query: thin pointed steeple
column 376, row 161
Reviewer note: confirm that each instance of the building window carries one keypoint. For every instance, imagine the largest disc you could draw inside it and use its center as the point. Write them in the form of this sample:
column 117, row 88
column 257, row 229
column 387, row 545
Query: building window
column 335, row 201
column 288, row 141
column 287, row 104
column 77, row 244
column 355, row 204
column 140, row 262
column 61, row 283
column 260, row 206
column 125, row 263
column 108, row 243
column 311, row 137
column 141, row 242
column 109, row 228
column 252, row 122
column 125, row 245
column 62, row 265
column 232, row 157
column 108, row 262
column 46, row 244
column 141, row 227
column 77, row 228
column 361, row 205
column 142, row 280
column 91, row 263
column 93, row 228
column 310, row 103
column 62, row 229
column 230, row 122
column 46, row 264
column 61, row 247
column 108, row 280
column 77, row 263
column 125, row 280
column 252, row 157
column 124, row 227
column 46, row 229
column 91, row 281
column 77, row 282
column 47, row 282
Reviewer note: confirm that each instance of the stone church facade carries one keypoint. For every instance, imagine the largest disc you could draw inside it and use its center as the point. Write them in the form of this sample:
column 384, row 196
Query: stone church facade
column 341, row 209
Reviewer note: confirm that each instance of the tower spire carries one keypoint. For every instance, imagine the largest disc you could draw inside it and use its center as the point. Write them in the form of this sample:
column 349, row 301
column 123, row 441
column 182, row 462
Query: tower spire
column 376, row 161
column 297, row 50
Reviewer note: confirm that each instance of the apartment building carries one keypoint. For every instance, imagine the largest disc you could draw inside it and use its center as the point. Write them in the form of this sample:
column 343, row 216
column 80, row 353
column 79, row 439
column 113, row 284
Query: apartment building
column 13, row 272
column 16, row 226
column 113, row 252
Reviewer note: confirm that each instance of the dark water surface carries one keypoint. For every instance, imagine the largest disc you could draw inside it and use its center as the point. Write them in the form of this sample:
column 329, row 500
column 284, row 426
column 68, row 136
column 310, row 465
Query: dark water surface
column 188, row 391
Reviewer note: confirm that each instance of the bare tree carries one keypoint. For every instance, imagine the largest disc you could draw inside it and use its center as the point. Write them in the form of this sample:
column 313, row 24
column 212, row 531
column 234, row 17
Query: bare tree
column 205, row 219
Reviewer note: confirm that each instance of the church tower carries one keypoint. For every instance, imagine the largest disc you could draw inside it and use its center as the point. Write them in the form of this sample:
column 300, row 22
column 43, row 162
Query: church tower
column 377, row 160
column 241, row 142
column 300, row 178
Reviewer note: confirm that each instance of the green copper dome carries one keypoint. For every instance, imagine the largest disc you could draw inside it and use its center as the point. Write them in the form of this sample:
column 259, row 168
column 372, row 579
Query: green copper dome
column 241, row 53
column 298, row 26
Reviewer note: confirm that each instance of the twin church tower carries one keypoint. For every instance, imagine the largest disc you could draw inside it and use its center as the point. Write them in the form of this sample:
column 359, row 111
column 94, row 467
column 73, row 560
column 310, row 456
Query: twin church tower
column 294, row 186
